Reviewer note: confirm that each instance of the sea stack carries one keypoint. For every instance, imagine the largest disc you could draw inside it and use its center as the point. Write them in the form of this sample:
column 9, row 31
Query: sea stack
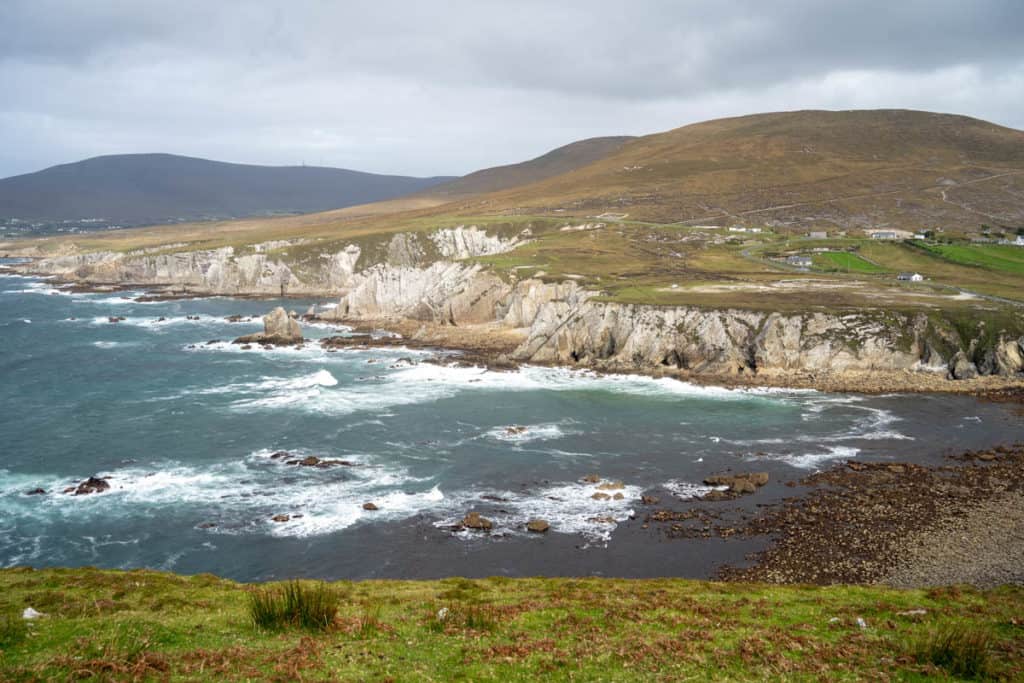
column 278, row 328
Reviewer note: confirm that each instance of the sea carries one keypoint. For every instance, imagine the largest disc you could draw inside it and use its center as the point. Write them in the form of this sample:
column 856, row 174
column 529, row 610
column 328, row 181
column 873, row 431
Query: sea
column 184, row 425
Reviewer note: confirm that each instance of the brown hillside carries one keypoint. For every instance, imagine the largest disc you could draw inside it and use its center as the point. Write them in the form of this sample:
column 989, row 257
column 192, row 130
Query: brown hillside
column 555, row 162
column 850, row 168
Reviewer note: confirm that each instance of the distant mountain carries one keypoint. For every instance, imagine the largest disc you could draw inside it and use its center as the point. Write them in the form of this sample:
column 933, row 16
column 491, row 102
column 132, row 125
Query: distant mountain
column 556, row 162
column 136, row 189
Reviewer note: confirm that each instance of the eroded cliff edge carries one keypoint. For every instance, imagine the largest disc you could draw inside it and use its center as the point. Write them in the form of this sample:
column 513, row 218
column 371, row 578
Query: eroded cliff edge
column 432, row 284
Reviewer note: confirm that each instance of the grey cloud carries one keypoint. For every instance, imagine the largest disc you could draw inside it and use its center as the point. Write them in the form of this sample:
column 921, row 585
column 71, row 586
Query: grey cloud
column 447, row 87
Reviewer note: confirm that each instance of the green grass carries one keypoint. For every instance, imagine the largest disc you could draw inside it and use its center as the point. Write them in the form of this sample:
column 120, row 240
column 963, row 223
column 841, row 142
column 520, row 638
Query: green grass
column 993, row 257
column 845, row 262
column 961, row 651
column 141, row 625
column 294, row 605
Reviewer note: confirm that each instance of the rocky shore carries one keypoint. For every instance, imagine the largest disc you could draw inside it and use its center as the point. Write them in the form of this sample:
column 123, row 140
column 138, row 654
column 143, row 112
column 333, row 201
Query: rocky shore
column 898, row 524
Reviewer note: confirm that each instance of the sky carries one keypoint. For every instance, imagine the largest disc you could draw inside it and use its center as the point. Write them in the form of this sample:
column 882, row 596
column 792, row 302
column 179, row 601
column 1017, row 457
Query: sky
column 450, row 86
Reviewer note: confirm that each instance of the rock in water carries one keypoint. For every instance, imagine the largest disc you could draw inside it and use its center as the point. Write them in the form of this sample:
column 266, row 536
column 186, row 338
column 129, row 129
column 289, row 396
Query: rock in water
column 91, row 485
column 538, row 526
column 474, row 521
column 278, row 328
column 280, row 325
column 370, row 506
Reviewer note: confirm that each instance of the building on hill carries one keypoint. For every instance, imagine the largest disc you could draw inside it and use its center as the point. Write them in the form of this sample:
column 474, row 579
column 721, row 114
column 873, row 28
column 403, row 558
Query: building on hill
column 882, row 235
column 799, row 261
column 817, row 235
column 910, row 277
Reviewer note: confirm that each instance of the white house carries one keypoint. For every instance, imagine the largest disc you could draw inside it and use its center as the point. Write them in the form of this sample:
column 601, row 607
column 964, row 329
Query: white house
column 910, row 277
column 800, row 261
column 882, row 235
column 1019, row 242
column 818, row 235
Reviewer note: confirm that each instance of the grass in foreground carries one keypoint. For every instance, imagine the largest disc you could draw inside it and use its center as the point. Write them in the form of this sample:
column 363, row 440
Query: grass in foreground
column 143, row 624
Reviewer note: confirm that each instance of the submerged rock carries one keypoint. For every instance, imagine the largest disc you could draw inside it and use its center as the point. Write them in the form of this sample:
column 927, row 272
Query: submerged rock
column 281, row 518
column 35, row 492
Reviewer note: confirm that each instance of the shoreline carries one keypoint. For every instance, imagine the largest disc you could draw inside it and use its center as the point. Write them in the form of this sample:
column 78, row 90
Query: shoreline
column 491, row 345
column 896, row 524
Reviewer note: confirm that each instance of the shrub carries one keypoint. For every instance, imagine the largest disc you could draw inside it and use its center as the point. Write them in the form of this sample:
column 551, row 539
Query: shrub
column 294, row 605
column 961, row 651
column 12, row 629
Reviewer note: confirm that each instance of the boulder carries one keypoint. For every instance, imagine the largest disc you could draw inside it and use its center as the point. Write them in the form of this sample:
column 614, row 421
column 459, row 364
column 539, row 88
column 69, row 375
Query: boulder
column 612, row 486
column 278, row 328
column 1009, row 358
column 370, row 506
column 742, row 486
column 513, row 430
column 601, row 496
column 281, row 518
column 35, row 492
column 757, row 478
column 473, row 520
column 741, row 482
column 591, row 479
column 537, row 526
column 961, row 367
column 90, row 485
column 650, row 500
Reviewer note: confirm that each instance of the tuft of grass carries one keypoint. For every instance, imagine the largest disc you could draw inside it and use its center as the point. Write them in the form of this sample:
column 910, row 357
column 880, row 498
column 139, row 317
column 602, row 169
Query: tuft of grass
column 964, row 652
column 370, row 621
column 294, row 605
column 12, row 629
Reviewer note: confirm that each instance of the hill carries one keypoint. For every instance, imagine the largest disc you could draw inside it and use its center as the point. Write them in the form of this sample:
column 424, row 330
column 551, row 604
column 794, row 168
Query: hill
column 136, row 189
column 848, row 169
column 555, row 162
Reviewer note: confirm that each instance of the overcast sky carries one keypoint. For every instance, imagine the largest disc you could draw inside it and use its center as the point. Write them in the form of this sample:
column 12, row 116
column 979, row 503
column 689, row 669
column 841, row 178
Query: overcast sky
column 450, row 86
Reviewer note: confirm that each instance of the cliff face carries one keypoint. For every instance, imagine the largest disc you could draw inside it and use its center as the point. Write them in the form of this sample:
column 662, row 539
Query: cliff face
column 723, row 342
column 424, row 277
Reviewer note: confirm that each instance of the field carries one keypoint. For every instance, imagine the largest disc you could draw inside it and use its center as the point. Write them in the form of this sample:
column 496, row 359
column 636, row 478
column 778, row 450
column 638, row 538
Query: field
column 845, row 262
column 144, row 624
column 1004, row 258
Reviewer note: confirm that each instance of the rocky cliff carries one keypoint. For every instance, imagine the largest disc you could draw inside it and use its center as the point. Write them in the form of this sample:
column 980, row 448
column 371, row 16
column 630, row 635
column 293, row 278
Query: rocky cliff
column 431, row 277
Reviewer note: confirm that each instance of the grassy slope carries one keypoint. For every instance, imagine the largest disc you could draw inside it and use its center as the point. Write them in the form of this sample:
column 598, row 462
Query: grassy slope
column 135, row 624
column 852, row 169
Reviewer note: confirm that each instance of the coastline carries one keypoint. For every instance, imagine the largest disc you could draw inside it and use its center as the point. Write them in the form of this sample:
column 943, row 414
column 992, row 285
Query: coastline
column 491, row 344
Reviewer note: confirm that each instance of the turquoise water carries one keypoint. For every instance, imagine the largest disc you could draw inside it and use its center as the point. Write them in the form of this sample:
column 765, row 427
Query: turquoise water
column 185, row 429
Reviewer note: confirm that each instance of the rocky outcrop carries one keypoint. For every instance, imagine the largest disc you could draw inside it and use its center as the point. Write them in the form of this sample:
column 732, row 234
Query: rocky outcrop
column 574, row 330
column 431, row 278
column 278, row 328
